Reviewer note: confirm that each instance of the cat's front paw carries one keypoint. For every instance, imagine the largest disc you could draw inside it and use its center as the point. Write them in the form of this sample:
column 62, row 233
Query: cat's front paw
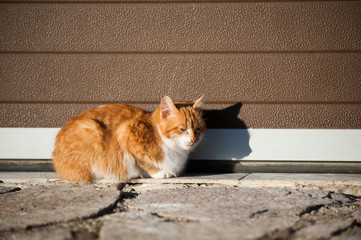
column 162, row 174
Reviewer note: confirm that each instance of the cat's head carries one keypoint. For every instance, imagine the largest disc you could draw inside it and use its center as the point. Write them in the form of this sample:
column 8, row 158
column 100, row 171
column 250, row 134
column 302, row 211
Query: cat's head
column 181, row 127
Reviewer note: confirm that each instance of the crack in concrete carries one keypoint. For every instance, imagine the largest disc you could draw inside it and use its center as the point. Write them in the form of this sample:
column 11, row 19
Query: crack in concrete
column 329, row 195
column 93, row 233
column 77, row 232
column 102, row 212
column 81, row 228
column 310, row 216
column 351, row 198
column 89, row 227
column 243, row 177
column 354, row 224
column 77, row 228
column 11, row 190
column 173, row 218
column 258, row 213
column 310, row 209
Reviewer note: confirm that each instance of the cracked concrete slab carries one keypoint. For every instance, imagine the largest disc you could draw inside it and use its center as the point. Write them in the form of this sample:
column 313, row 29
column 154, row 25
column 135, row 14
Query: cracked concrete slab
column 225, row 202
column 36, row 205
column 181, row 209
column 337, row 221
column 217, row 211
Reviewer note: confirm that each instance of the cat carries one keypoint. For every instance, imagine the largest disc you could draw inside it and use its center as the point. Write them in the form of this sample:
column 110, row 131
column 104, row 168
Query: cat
column 119, row 142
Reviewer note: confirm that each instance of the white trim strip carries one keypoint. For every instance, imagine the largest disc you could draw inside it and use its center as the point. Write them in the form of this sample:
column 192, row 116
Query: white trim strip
column 218, row 144
column 27, row 143
column 281, row 145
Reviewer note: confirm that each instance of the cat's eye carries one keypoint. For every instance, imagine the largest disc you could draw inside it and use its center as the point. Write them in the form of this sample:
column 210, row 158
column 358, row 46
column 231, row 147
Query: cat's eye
column 182, row 129
column 198, row 129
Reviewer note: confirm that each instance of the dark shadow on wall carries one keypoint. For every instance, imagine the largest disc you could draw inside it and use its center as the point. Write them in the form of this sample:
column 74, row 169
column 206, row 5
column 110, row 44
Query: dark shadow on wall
column 225, row 118
column 232, row 144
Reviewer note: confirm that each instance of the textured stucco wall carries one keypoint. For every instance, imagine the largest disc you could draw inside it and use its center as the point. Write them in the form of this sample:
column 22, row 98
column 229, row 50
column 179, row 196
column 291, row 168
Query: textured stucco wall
column 290, row 64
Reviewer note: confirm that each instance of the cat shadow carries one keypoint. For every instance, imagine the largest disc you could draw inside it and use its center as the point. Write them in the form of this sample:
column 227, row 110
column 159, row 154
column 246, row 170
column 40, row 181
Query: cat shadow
column 225, row 118
column 226, row 141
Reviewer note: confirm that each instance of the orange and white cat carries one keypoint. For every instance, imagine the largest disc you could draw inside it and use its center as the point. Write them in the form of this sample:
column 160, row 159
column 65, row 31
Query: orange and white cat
column 120, row 142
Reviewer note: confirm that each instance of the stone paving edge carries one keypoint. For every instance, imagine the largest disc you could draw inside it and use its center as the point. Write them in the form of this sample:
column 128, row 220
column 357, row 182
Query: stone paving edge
column 344, row 183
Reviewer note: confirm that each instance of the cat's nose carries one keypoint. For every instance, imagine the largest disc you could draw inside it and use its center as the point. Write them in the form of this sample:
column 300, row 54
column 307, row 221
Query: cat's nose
column 193, row 139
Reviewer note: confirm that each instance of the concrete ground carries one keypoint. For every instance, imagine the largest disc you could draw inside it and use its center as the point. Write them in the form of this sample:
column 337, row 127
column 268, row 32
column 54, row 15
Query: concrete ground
column 224, row 206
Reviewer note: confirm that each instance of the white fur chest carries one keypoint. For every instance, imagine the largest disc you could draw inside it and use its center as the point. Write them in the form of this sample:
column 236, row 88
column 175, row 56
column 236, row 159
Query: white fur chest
column 174, row 160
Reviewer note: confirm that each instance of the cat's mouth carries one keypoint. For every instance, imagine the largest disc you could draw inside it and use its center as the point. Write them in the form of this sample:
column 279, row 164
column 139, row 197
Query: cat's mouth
column 190, row 145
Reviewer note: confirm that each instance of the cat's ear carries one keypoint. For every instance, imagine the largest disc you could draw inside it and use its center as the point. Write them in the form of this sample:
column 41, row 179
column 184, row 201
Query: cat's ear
column 199, row 103
column 167, row 108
